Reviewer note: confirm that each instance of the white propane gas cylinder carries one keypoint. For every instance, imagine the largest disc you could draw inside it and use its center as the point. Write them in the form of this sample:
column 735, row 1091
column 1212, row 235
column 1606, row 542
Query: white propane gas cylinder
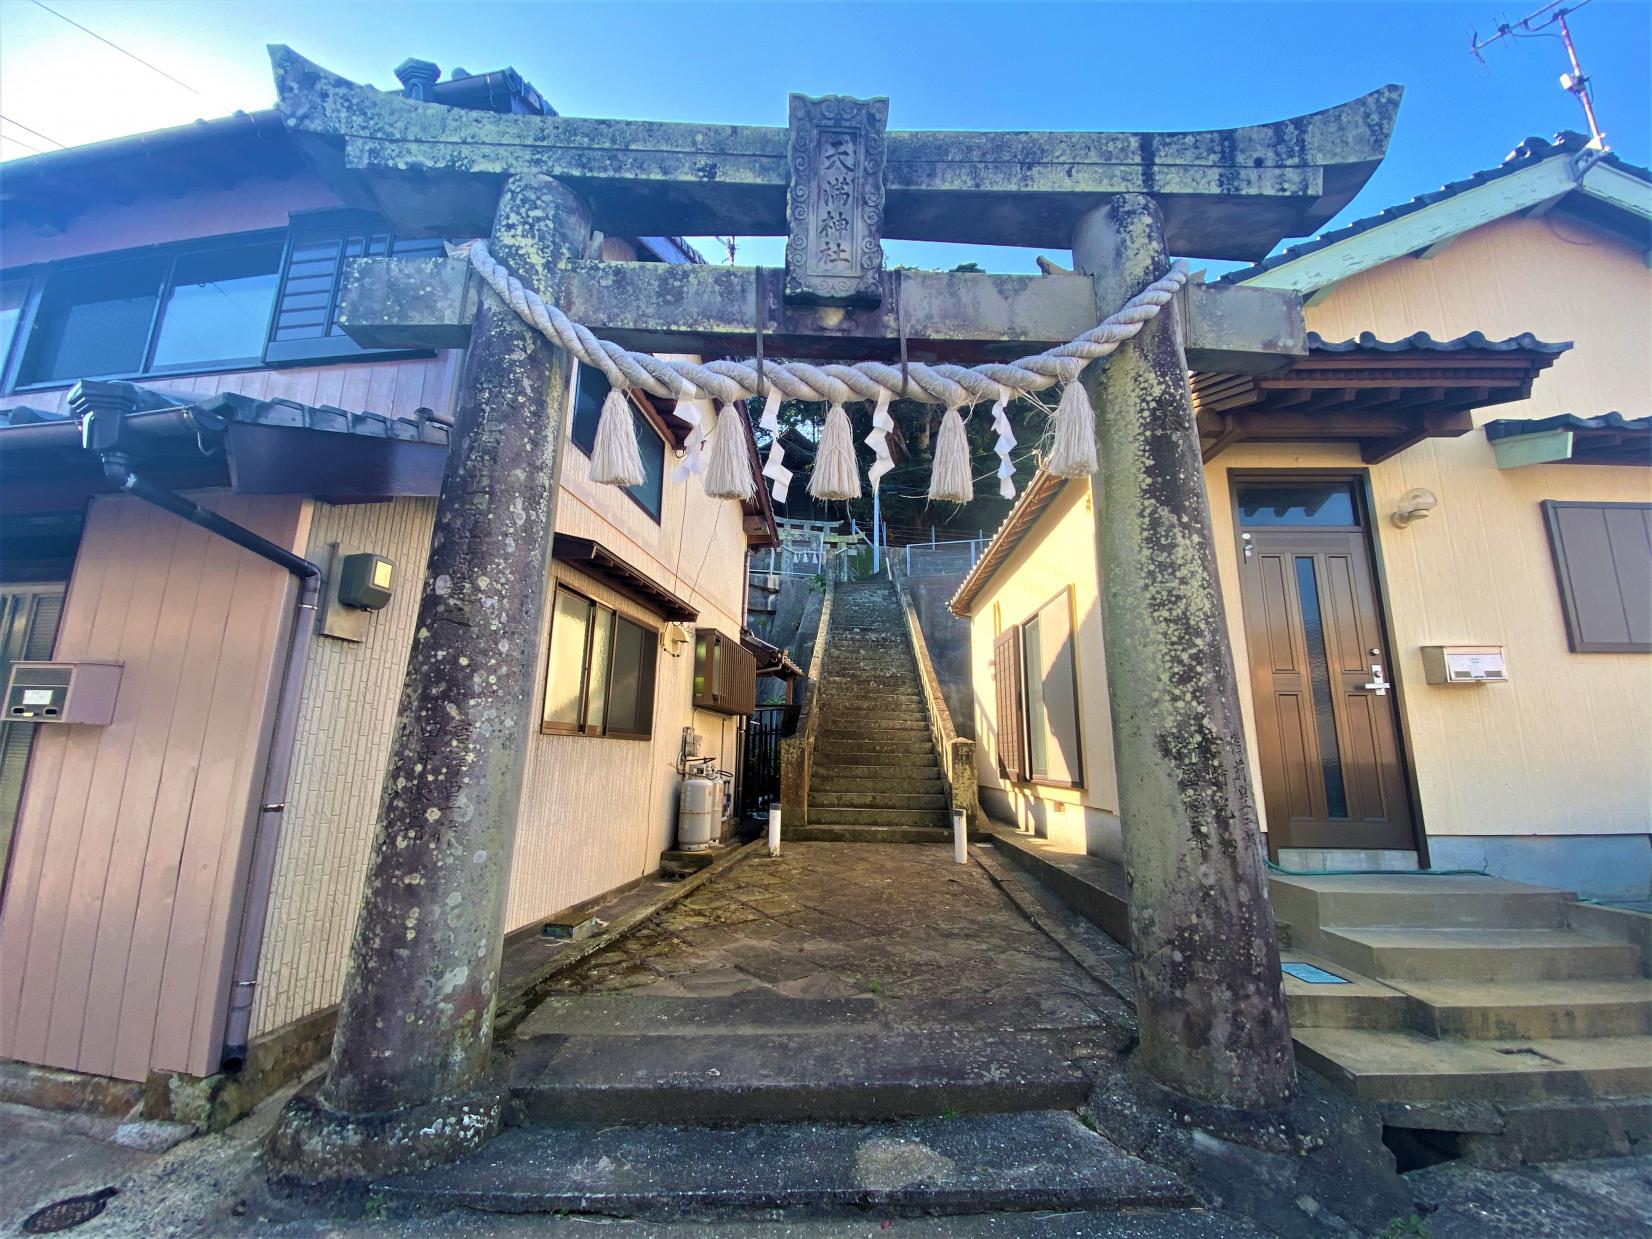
column 698, row 813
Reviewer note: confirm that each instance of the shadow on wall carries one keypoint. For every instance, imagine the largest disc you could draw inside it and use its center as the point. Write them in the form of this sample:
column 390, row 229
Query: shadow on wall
column 948, row 639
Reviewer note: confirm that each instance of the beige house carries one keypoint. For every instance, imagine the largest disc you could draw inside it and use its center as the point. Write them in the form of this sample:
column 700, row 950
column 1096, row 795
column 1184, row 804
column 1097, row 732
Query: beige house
column 1434, row 535
column 167, row 898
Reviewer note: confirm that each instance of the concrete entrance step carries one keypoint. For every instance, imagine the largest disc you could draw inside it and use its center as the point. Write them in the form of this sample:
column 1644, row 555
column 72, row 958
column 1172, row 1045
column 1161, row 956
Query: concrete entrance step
column 841, row 753
column 1404, row 1066
column 764, row 1011
column 1035, row 1161
column 854, row 723
column 619, row 1078
column 1422, row 900
column 1478, row 954
column 1490, row 1010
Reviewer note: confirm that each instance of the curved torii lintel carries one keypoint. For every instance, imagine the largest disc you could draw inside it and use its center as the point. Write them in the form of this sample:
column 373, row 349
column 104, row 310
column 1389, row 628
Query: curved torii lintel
column 1224, row 193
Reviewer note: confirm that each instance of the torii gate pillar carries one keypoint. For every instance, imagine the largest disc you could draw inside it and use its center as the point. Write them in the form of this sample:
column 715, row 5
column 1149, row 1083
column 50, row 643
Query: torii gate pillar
column 409, row 1081
column 1210, row 1000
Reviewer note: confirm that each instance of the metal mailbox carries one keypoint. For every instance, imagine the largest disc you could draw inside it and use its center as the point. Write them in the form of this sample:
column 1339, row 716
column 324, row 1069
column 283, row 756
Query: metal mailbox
column 78, row 692
column 1464, row 664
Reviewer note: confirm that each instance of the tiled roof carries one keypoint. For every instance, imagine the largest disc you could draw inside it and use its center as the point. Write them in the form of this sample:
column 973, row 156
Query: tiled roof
column 1529, row 152
column 212, row 413
column 1514, row 427
column 1422, row 341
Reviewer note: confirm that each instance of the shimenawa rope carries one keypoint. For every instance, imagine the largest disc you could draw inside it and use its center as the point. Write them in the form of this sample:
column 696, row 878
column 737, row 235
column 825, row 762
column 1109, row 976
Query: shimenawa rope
column 836, row 384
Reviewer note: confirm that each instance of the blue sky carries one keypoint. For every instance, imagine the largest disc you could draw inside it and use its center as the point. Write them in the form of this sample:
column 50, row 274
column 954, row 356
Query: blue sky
column 944, row 66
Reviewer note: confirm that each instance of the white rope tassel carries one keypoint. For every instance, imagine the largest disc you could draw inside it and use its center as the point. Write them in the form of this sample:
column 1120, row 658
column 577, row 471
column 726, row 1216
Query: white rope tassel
column 835, row 475
column 878, row 440
column 1073, row 455
column 775, row 467
column 728, row 471
column 615, row 459
column 1005, row 443
column 949, row 476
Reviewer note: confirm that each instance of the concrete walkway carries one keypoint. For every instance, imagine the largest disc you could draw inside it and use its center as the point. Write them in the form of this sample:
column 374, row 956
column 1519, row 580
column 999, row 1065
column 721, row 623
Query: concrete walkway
column 897, row 922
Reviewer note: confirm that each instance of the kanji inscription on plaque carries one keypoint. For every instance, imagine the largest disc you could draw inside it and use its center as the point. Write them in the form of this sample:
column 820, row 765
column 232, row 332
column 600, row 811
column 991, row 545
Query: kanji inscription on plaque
column 834, row 202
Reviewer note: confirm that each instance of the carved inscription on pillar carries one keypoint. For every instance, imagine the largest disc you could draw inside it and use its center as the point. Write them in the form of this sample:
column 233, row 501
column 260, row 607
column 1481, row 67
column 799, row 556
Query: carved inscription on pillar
column 834, row 202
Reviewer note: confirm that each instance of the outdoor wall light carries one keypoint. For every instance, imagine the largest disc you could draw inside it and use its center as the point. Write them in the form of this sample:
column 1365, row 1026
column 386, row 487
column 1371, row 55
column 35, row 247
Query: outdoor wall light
column 1413, row 506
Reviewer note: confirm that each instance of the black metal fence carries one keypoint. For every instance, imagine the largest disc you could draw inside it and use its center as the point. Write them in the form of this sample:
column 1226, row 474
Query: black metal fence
column 761, row 785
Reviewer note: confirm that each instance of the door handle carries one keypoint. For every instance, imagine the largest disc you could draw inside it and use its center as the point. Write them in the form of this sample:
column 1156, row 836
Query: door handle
column 1378, row 685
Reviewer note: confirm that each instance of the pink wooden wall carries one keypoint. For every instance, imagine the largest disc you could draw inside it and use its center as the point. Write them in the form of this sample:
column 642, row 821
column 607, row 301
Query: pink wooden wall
column 123, row 900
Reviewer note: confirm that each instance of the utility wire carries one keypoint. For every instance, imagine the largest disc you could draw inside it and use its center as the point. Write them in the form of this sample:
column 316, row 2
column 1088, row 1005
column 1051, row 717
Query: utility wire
column 131, row 55
column 20, row 142
column 26, row 129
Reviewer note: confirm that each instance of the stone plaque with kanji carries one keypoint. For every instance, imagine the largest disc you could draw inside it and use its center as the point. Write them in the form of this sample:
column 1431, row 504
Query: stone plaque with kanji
column 834, row 203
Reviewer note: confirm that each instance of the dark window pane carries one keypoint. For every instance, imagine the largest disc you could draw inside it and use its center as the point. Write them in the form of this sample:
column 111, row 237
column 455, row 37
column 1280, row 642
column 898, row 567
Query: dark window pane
column 565, row 677
column 219, row 306
column 630, row 691
column 590, row 390
column 13, row 293
column 95, row 320
column 1328, row 503
column 1319, row 678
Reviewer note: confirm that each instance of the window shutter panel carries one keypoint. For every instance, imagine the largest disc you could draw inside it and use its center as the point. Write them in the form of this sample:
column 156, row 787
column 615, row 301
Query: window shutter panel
column 1603, row 561
column 1012, row 725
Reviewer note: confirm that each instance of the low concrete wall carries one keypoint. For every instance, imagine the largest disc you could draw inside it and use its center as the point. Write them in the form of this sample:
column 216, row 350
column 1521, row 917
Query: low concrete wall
column 1612, row 868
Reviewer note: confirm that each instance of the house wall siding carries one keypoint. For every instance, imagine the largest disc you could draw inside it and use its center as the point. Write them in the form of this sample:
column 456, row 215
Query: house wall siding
column 343, row 744
column 127, row 874
column 1558, row 752
column 1059, row 552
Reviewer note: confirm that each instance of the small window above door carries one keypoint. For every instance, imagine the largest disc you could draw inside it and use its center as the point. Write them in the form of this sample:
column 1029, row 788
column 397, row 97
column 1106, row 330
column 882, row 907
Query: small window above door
column 1313, row 504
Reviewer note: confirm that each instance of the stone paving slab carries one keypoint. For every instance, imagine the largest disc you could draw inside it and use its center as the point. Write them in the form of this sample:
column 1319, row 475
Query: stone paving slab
column 1035, row 1160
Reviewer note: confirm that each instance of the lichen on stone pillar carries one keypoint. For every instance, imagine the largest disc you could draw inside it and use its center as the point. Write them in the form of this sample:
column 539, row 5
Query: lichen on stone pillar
column 1210, row 996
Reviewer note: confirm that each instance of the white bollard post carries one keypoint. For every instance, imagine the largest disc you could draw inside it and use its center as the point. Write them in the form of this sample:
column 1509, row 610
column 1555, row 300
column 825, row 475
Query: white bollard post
column 774, row 830
column 960, row 837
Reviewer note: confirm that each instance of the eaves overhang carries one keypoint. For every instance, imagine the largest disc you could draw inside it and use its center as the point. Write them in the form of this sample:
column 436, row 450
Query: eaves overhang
column 1383, row 395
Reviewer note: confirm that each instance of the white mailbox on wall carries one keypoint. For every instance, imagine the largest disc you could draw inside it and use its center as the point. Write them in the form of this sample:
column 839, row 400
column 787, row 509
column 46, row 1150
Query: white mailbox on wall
column 1464, row 664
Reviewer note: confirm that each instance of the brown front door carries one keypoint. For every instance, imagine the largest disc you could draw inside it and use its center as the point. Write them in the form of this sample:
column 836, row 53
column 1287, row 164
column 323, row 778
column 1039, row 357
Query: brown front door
column 1326, row 728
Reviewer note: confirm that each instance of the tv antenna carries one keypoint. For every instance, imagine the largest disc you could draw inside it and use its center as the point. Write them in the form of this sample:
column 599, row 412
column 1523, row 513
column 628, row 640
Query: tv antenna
column 1536, row 26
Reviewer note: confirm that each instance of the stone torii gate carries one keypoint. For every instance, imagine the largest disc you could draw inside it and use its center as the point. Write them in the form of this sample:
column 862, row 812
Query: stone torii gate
column 409, row 1080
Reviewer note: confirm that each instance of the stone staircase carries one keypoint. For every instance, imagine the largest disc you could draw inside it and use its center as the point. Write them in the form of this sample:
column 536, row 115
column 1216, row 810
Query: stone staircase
column 875, row 776
column 1477, row 1013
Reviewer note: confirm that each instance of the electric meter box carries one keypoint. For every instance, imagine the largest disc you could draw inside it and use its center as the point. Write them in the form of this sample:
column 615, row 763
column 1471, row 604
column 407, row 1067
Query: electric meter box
column 1464, row 664
column 364, row 581
column 62, row 692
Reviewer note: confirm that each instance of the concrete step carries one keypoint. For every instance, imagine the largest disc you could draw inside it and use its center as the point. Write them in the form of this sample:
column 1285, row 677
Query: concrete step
column 1478, row 954
column 838, row 784
column 767, row 1011
column 819, row 798
column 873, row 724
column 886, row 765
column 838, row 815
column 1497, row 1010
column 914, row 1168
column 847, row 744
column 1420, row 900
column 620, row 1078
column 819, row 832
column 1408, row 1066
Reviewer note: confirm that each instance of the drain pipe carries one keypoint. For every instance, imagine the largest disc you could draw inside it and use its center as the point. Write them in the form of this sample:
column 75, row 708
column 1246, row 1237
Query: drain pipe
column 272, row 797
